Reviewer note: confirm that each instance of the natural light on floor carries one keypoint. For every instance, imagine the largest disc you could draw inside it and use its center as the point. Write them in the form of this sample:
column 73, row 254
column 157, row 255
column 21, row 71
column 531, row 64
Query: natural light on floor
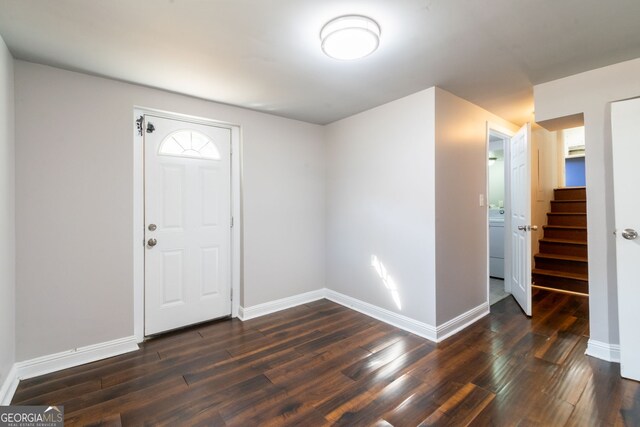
column 387, row 280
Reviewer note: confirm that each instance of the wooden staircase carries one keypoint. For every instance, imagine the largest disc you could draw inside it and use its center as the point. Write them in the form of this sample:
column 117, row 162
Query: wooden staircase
column 562, row 262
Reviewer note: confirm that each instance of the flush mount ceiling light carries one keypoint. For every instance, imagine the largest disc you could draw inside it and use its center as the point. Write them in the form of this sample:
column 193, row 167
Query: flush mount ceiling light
column 350, row 37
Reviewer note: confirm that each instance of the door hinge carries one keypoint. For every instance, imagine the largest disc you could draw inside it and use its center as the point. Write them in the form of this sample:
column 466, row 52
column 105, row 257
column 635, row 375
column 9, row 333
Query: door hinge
column 139, row 124
column 231, row 222
column 231, row 294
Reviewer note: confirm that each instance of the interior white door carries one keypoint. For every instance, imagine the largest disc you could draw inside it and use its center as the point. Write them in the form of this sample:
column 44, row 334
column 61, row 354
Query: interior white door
column 625, row 128
column 520, row 197
column 187, row 223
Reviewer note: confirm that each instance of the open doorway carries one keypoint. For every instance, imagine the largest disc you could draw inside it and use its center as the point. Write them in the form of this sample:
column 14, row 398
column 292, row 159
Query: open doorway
column 497, row 163
column 497, row 182
column 559, row 207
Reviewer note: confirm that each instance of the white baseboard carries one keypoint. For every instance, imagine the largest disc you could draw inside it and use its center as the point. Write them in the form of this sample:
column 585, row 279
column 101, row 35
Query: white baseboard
column 408, row 324
column 603, row 350
column 246, row 313
column 9, row 386
column 403, row 322
column 63, row 360
column 457, row 324
column 79, row 356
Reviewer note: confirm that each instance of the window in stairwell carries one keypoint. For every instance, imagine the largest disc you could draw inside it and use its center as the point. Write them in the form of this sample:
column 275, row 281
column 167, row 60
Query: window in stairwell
column 574, row 161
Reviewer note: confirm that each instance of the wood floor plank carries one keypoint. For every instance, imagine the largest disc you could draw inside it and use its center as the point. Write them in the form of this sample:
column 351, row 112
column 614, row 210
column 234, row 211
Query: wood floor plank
column 308, row 321
column 322, row 364
column 213, row 344
column 422, row 404
column 88, row 408
column 225, row 374
column 365, row 366
column 602, row 399
column 461, row 408
column 81, row 374
column 371, row 409
column 172, row 409
column 349, row 398
column 569, row 382
column 164, row 367
column 110, row 421
column 317, row 390
column 313, row 365
column 62, row 394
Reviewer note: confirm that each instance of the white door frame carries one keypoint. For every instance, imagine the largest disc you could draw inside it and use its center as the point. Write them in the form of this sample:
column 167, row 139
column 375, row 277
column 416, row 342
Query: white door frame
column 507, row 134
column 138, row 211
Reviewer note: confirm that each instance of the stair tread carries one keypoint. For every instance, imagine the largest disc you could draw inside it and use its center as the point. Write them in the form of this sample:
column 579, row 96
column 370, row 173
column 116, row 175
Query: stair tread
column 571, row 188
column 573, row 227
column 566, row 213
column 567, row 241
column 562, row 257
column 569, row 201
column 563, row 274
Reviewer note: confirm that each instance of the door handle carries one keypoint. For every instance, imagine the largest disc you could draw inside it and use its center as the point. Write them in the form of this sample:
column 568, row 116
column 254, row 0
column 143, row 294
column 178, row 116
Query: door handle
column 532, row 228
column 152, row 242
column 630, row 234
column 522, row 227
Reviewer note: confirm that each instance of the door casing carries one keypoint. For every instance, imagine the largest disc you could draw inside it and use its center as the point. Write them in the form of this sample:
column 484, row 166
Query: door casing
column 138, row 211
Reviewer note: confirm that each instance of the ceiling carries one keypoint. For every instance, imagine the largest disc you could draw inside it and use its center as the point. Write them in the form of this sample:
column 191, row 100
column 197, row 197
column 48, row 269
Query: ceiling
column 265, row 55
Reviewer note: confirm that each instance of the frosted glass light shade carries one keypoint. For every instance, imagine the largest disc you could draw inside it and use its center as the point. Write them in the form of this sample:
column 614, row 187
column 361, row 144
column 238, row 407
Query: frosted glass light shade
column 350, row 37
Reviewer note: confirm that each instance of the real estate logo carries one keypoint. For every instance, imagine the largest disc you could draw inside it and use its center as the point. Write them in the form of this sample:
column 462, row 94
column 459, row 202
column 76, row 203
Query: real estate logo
column 31, row 416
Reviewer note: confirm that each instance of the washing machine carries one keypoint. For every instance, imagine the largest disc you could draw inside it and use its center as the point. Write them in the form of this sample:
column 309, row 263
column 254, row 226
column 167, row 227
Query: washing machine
column 496, row 243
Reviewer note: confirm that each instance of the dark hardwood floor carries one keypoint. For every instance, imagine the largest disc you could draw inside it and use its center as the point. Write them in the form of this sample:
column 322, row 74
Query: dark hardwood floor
column 323, row 364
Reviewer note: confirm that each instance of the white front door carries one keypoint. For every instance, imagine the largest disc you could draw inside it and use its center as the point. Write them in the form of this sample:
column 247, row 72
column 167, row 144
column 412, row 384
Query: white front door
column 625, row 129
column 520, row 239
column 187, row 223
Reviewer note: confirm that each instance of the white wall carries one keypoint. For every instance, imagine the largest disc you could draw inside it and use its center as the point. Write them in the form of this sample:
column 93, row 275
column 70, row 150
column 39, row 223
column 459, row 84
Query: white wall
column 544, row 178
column 496, row 183
column 591, row 93
column 461, row 223
column 74, row 186
column 381, row 201
column 7, row 214
column 403, row 183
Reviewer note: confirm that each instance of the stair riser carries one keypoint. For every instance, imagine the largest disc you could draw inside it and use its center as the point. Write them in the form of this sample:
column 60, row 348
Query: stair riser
column 570, row 194
column 562, row 265
column 565, row 233
column 563, row 249
column 576, row 220
column 579, row 207
column 561, row 283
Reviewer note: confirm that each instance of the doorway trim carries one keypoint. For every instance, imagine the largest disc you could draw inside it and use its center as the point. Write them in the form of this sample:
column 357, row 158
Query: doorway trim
column 507, row 134
column 138, row 210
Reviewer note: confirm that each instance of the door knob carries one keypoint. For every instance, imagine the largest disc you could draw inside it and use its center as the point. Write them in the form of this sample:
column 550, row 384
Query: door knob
column 532, row 228
column 152, row 242
column 152, row 227
column 630, row 234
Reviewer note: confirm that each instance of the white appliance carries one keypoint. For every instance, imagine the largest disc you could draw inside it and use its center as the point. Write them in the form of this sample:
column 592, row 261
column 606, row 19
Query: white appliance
column 496, row 243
